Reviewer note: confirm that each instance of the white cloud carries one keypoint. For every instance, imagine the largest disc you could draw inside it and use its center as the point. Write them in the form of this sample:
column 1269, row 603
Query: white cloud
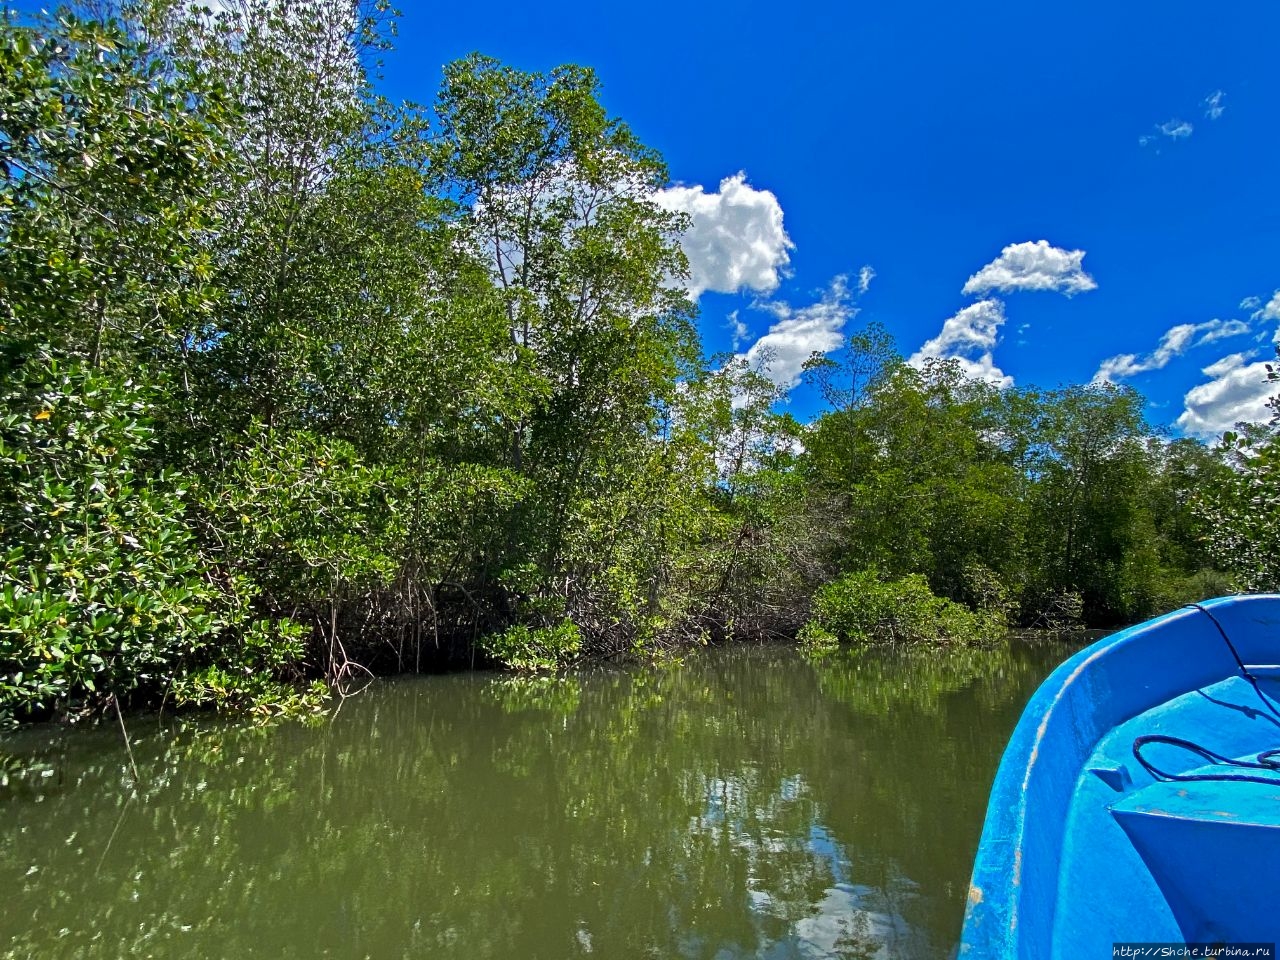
column 1269, row 312
column 1213, row 107
column 1251, row 303
column 1174, row 343
column 1176, row 129
column 1212, row 330
column 1032, row 265
column 736, row 239
column 799, row 333
column 1172, row 129
column 739, row 328
column 1238, row 391
column 865, row 276
column 969, row 337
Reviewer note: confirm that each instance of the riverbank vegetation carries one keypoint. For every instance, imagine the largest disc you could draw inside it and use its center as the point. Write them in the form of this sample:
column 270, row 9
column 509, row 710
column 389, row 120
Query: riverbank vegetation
column 300, row 385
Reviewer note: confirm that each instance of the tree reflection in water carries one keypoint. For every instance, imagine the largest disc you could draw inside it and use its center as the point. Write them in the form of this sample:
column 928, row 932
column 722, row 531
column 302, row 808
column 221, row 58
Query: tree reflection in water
column 745, row 804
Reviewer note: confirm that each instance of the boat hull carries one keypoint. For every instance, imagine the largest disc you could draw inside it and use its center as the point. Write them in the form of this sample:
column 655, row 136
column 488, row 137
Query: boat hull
column 1084, row 848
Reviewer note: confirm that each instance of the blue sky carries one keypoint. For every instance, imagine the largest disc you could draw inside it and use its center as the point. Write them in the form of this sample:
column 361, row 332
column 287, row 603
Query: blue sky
column 922, row 139
column 1105, row 172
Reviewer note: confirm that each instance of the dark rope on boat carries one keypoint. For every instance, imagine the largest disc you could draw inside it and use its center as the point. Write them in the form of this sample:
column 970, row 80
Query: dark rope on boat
column 1230, row 646
column 1266, row 760
column 1244, row 669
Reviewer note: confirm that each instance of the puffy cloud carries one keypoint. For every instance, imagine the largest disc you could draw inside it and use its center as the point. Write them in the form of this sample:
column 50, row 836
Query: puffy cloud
column 1237, row 391
column 1271, row 311
column 736, row 239
column 1032, row 265
column 865, row 276
column 1251, row 303
column 1213, row 107
column 969, row 337
column 797, row 334
column 1174, row 343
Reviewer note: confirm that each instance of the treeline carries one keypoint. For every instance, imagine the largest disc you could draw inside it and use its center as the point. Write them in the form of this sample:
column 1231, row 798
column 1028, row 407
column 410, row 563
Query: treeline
column 297, row 384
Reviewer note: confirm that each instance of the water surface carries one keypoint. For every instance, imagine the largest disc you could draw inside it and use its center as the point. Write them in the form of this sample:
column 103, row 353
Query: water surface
column 745, row 804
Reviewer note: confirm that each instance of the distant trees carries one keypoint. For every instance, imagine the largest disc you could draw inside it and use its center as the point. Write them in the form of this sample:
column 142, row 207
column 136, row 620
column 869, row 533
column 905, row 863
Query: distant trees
column 1063, row 503
column 1239, row 510
column 296, row 383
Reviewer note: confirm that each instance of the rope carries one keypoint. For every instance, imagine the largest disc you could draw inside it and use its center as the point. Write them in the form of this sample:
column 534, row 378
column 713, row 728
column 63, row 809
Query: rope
column 1266, row 760
column 1230, row 646
column 1244, row 669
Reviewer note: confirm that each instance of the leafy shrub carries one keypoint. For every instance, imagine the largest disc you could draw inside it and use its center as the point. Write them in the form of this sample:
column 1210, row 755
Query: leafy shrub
column 305, row 512
column 103, row 590
column 862, row 608
column 534, row 648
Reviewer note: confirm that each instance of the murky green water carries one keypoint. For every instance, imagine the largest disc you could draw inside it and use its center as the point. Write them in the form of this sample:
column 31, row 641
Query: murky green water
column 745, row 804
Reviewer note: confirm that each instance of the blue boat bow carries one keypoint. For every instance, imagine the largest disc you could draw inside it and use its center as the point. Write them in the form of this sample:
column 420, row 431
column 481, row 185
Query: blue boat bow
column 1137, row 801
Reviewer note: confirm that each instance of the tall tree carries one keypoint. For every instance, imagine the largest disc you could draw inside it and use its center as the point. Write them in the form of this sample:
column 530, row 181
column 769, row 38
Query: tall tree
column 1092, row 532
column 559, row 202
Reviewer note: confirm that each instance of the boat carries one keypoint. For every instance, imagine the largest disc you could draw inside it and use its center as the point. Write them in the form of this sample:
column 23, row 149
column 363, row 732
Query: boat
column 1138, row 800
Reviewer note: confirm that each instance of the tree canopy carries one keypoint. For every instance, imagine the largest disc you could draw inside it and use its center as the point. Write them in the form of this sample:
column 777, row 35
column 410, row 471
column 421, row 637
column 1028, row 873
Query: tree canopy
column 297, row 384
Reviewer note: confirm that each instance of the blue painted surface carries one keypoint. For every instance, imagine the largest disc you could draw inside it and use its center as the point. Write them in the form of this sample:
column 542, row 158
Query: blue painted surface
column 1083, row 848
column 1214, row 850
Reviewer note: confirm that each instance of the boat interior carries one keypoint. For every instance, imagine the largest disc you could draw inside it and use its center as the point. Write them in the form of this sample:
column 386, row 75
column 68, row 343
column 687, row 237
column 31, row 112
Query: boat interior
column 1195, row 858
column 1139, row 798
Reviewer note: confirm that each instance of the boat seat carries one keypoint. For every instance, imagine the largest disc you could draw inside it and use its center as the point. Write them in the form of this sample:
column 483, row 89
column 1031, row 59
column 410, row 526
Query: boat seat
column 1213, row 848
column 1262, row 669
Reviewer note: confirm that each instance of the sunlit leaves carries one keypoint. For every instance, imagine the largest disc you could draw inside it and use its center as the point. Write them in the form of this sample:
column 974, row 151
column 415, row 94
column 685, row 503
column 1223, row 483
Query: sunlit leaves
column 104, row 589
column 107, row 178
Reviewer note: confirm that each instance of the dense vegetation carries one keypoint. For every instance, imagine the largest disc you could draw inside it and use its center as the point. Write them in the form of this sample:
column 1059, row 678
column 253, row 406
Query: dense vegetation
column 296, row 383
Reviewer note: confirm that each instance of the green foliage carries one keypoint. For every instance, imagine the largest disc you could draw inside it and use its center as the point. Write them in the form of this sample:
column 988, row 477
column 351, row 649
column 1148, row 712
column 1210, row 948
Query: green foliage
column 534, row 648
column 301, row 383
column 306, row 513
column 108, row 169
column 1059, row 496
column 1245, row 538
column 919, row 476
column 559, row 207
column 104, row 590
column 862, row 608
column 1092, row 471
column 1239, row 510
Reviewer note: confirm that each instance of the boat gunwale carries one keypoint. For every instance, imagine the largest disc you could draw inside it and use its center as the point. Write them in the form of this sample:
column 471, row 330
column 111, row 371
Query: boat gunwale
column 1076, row 705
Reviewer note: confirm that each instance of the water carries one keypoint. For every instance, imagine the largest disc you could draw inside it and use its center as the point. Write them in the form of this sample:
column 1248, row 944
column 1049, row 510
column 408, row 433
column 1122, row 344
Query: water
column 744, row 804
